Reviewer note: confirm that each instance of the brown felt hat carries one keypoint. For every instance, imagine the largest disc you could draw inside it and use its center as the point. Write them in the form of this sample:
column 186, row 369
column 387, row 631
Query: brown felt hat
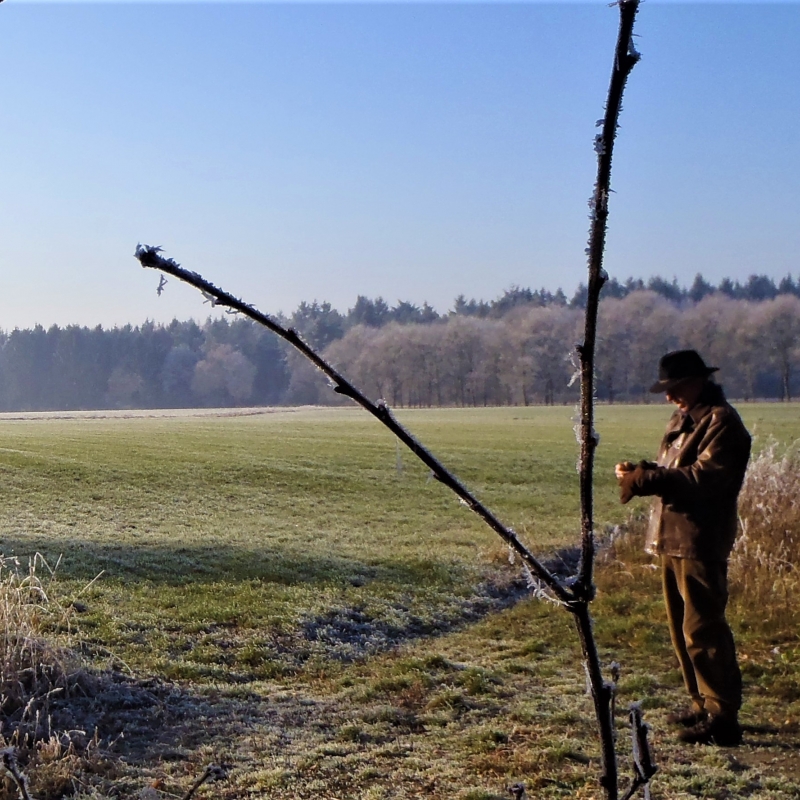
column 678, row 366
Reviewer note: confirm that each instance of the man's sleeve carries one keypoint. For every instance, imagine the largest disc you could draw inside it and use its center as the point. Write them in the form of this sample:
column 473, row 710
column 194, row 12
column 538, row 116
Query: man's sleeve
column 719, row 468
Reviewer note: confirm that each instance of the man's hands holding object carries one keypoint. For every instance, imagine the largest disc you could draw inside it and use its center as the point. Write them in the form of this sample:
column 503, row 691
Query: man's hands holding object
column 629, row 476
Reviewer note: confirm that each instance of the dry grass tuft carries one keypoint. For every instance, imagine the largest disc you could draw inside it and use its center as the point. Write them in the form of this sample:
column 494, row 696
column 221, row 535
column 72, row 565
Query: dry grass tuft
column 35, row 673
column 623, row 545
column 765, row 558
column 32, row 668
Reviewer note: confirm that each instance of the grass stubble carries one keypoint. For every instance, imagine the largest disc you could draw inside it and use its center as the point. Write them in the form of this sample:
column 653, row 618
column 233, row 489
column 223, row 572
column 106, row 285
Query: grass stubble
column 290, row 594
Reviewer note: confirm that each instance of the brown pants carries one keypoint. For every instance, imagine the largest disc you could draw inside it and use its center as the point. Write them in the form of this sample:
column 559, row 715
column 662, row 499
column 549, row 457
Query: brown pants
column 696, row 593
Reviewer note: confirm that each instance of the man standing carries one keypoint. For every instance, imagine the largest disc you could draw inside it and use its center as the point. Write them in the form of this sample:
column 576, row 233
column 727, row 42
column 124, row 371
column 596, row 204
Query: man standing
column 695, row 483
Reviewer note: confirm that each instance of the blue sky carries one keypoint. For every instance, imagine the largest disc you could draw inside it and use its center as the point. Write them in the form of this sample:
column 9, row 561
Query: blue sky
column 415, row 151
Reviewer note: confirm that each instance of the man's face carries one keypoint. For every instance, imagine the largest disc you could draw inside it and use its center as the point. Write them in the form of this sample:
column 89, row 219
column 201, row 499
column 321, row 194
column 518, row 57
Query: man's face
column 686, row 393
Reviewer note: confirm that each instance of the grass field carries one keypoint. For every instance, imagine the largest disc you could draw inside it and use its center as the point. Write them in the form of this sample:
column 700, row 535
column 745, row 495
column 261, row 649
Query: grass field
column 315, row 611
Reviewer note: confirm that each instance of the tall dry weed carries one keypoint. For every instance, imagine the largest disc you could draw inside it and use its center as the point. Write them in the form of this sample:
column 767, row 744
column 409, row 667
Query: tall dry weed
column 765, row 564
column 32, row 666
column 38, row 670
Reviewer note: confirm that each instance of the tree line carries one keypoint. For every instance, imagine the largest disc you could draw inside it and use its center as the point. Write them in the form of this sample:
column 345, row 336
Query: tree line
column 412, row 356
column 526, row 356
column 376, row 313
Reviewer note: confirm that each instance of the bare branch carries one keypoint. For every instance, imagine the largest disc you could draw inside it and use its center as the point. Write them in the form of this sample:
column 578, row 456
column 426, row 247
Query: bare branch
column 577, row 593
column 150, row 257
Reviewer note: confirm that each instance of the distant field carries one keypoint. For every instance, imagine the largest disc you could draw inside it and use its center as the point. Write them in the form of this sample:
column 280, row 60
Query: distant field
column 272, row 558
column 316, row 479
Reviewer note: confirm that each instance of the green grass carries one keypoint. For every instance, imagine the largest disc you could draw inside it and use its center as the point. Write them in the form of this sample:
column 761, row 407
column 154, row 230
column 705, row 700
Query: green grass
column 333, row 618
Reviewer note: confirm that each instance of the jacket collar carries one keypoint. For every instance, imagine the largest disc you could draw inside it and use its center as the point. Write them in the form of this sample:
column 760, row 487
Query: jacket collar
column 712, row 395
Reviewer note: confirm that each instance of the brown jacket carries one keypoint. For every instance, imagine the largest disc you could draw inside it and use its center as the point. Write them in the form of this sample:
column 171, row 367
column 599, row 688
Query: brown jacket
column 696, row 482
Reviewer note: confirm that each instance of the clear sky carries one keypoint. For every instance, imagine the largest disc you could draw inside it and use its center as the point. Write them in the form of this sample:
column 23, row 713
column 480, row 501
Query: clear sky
column 415, row 151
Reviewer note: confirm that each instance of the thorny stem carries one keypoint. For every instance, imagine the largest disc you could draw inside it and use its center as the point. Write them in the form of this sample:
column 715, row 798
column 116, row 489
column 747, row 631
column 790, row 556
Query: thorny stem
column 149, row 257
column 625, row 58
column 624, row 61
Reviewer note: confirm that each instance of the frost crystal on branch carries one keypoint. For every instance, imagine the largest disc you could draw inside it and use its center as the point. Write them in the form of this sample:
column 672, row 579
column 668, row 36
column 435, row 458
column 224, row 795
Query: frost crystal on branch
column 149, row 256
column 600, row 144
column 538, row 589
column 576, row 370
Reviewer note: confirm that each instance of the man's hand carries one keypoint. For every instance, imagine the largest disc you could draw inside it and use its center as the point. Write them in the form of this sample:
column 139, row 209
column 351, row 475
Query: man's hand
column 626, row 485
column 629, row 476
column 622, row 468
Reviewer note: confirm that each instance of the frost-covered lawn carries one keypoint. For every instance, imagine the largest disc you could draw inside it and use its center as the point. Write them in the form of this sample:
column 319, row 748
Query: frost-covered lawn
column 333, row 623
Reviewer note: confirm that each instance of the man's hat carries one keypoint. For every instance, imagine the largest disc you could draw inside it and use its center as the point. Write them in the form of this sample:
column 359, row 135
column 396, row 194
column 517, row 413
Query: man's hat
column 678, row 366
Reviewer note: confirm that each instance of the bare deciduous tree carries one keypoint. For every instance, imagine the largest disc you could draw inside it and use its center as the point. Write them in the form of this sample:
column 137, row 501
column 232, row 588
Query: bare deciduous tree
column 778, row 324
column 224, row 372
column 653, row 332
column 546, row 331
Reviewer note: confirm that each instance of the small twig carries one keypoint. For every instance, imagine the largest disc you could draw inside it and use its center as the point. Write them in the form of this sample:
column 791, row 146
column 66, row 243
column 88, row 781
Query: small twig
column 9, row 760
column 636, row 784
column 643, row 765
column 213, row 772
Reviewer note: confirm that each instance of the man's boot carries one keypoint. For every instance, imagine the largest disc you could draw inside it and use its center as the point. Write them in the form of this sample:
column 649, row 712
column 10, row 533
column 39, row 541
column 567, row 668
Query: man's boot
column 722, row 731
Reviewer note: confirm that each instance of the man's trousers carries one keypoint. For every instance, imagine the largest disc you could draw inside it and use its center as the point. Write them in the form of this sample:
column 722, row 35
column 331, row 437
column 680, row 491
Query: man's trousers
column 696, row 594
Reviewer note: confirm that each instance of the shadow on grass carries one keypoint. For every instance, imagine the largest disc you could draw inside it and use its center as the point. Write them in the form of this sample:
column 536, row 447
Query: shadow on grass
column 181, row 565
column 152, row 719
column 772, row 736
column 79, row 559
column 769, row 750
column 374, row 608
